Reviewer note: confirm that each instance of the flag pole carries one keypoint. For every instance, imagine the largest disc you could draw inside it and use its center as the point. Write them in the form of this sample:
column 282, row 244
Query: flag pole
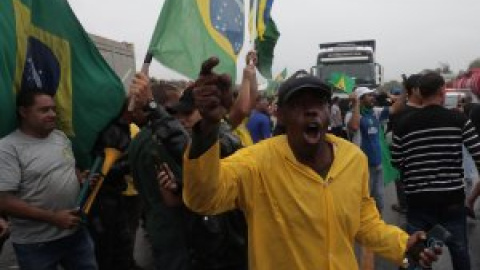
column 145, row 70
column 111, row 156
column 87, row 184
column 253, row 34
column 146, row 63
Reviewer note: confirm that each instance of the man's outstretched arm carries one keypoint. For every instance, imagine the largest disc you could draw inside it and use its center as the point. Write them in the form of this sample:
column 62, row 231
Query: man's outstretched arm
column 210, row 187
column 387, row 240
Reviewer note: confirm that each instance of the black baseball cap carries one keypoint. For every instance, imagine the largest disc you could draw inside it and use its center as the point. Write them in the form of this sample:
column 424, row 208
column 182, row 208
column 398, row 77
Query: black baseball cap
column 301, row 81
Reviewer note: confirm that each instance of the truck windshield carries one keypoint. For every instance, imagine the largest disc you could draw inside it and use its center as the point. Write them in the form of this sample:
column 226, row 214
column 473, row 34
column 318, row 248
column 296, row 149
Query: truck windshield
column 363, row 73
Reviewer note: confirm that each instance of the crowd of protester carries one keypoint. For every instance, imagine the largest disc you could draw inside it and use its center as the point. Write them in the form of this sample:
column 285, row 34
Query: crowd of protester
column 222, row 177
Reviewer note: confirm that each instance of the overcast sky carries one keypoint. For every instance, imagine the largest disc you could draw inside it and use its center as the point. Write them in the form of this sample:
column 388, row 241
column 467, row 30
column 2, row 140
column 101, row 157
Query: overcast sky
column 411, row 35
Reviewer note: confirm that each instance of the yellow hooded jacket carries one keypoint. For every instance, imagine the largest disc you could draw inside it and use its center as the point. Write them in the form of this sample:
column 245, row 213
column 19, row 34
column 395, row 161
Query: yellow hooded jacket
column 296, row 219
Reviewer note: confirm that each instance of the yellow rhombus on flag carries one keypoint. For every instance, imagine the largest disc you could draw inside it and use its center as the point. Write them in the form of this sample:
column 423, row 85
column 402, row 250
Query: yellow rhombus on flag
column 342, row 82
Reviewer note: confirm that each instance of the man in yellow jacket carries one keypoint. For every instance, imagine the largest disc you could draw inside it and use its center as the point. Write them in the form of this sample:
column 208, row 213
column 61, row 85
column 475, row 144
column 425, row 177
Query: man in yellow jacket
column 304, row 194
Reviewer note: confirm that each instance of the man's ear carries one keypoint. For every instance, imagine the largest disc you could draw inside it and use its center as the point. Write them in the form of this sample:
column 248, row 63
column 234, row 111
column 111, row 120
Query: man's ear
column 281, row 115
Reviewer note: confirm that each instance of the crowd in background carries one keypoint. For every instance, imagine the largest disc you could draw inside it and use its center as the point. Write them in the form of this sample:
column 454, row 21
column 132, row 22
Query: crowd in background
column 200, row 212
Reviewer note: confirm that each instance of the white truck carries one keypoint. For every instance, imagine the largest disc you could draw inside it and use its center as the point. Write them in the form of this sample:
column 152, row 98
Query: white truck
column 355, row 59
column 119, row 55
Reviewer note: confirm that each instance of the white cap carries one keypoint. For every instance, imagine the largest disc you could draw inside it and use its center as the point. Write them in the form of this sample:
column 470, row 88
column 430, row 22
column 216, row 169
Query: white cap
column 360, row 91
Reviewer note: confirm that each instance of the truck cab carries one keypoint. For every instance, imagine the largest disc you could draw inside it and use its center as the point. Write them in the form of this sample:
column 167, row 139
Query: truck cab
column 355, row 59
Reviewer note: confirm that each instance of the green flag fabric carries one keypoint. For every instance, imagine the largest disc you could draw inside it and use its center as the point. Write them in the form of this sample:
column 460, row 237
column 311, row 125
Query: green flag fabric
column 44, row 47
column 265, row 49
column 273, row 85
column 281, row 76
column 7, row 68
column 342, row 82
column 390, row 174
column 190, row 31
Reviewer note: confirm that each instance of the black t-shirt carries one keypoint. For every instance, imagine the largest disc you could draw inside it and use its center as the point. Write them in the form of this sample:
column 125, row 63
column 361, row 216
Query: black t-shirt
column 397, row 117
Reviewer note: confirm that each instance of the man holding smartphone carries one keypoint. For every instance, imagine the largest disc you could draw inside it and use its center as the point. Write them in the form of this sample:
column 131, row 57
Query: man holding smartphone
column 304, row 194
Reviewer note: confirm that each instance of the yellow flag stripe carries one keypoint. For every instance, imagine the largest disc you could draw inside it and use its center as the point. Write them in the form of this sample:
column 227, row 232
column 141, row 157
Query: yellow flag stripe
column 22, row 22
column 261, row 27
column 223, row 42
column 61, row 49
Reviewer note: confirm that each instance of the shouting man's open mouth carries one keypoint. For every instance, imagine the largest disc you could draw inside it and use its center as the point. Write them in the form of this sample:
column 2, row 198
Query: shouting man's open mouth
column 313, row 132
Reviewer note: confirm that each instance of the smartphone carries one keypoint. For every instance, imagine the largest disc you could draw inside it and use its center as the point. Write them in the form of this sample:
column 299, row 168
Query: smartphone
column 436, row 237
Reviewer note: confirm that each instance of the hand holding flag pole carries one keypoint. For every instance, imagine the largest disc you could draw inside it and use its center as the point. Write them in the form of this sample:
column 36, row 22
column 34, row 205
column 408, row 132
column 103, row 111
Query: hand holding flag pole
column 144, row 70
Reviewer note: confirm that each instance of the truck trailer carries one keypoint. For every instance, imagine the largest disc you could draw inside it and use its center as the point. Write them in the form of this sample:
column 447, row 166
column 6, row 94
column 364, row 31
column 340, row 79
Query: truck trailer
column 467, row 83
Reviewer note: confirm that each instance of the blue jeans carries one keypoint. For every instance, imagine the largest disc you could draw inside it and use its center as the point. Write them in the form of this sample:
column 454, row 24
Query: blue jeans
column 401, row 197
column 74, row 252
column 376, row 186
column 452, row 218
column 470, row 172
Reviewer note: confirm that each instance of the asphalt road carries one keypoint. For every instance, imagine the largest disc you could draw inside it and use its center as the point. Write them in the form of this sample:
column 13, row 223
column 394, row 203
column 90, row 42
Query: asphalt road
column 144, row 258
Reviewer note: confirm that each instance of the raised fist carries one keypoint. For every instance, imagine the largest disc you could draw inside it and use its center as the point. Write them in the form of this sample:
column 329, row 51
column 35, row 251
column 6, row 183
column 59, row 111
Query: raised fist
column 139, row 91
column 212, row 92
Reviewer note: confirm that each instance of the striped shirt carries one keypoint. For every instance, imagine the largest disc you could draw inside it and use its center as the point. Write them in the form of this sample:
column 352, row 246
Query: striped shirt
column 427, row 148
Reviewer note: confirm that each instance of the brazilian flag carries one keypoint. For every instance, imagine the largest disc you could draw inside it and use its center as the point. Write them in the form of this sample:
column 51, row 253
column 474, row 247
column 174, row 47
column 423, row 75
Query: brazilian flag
column 266, row 35
column 342, row 81
column 44, row 47
column 273, row 85
column 190, row 31
column 265, row 47
column 281, row 76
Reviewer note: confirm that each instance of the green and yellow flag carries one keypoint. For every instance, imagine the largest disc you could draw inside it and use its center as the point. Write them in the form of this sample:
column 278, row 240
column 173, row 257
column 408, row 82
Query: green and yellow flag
column 281, row 76
column 273, row 85
column 390, row 173
column 44, row 47
column 190, row 31
column 342, row 82
column 266, row 36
